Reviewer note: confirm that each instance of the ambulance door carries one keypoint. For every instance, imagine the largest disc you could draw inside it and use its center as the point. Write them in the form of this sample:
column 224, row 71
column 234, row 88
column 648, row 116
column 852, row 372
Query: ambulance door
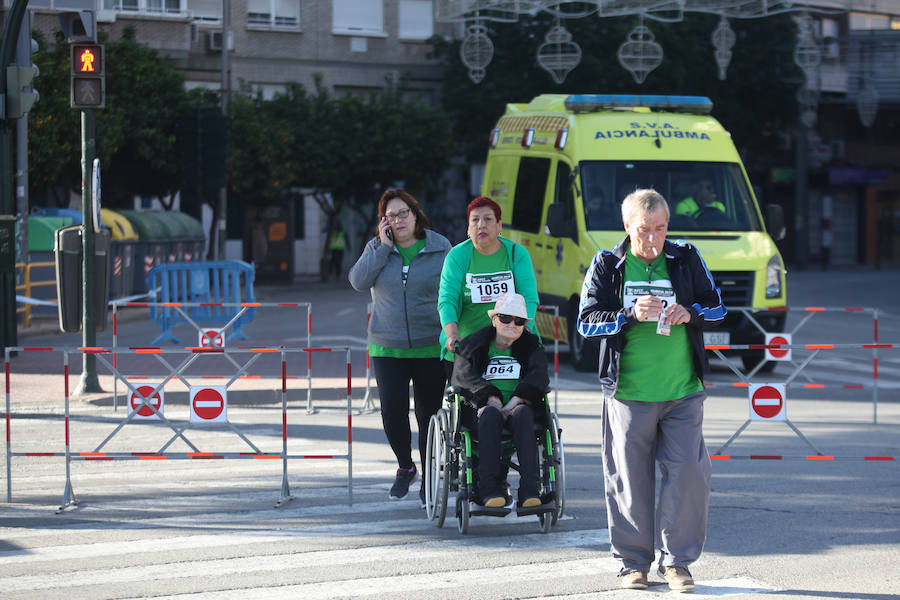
column 562, row 277
column 528, row 208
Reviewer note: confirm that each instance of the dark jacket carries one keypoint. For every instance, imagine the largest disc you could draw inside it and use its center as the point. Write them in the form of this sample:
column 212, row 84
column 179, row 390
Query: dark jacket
column 601, row 315
column 472, row 359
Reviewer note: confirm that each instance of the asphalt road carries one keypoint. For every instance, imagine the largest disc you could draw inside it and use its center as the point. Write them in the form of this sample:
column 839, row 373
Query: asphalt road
column 790, row 528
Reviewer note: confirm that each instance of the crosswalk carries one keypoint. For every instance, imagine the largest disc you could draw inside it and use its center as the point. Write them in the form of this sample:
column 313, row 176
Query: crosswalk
column 148, row 534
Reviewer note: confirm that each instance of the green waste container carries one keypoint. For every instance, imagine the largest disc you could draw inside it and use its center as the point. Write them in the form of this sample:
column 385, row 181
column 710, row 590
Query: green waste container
column 175, row 234
column 150, row 248
column 195, row 237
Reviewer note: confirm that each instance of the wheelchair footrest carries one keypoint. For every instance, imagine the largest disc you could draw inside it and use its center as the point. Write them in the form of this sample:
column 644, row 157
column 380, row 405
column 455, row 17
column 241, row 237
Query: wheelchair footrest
column 547, row 507
column 478, row 510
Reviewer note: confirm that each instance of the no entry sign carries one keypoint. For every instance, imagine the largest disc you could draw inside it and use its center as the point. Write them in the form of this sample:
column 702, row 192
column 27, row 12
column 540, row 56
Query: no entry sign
column 143, row 411
column 783, row 339
column 209, row 404
column 767, row 402
column 212, row 338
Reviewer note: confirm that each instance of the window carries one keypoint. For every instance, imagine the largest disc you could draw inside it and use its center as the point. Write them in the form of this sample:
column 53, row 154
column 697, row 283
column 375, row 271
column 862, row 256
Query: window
column 860, row 20
column 528, row 203
column 415, row 19
column 171, row 7
column 731, row 207
column 358, row 16
column 563, row 194
column 205, row 10
column 274, row 13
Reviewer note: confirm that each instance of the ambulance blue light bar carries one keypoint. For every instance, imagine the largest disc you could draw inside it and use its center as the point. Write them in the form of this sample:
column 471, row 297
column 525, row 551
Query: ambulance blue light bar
column 581, row 103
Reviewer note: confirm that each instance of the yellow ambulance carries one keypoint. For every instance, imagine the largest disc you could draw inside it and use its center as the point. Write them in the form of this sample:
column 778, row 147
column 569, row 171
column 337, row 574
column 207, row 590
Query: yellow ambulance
column 560, row 166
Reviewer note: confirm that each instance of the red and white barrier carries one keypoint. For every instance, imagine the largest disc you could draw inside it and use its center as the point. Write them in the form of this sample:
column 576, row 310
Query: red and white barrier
column 144, row 396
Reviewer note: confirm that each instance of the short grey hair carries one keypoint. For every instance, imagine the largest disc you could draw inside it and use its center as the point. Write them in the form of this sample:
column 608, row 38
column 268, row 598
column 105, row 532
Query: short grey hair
column 643, row 201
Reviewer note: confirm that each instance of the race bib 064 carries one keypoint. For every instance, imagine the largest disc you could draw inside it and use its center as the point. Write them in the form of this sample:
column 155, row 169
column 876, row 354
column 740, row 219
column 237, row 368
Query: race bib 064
column 502, row 367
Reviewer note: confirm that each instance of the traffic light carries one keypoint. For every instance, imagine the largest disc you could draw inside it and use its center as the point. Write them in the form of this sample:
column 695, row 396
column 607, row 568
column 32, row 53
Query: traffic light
column 20, row 95
column 88, row 76
column 79, row 26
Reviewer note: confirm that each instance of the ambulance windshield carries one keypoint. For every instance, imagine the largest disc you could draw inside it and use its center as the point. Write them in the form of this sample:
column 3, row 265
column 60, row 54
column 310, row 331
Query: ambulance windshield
column 702, row 196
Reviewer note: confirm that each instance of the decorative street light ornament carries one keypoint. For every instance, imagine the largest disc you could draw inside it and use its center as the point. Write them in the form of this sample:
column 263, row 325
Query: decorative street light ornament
column 808, row 101
column 476, row 51
column 807, row 55
column 640, row 54
column 723, row 40
column 867, row 104
column 558, row 54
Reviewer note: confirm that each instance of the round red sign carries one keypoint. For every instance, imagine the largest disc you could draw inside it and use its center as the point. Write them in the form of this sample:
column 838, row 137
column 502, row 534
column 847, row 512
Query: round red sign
column 778, row 352
column 212, row 338
column 145, row 411
column 767, row 402
column 208, row 404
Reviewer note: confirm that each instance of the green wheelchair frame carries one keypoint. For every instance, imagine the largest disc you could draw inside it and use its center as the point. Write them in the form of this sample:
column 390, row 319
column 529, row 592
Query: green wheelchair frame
column 449, row 466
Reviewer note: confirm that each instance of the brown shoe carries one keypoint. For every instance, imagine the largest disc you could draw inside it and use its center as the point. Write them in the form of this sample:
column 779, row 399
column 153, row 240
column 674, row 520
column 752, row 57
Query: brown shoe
column 531, row 502
column 495, row 502
column 678, row 578
column 632, row 580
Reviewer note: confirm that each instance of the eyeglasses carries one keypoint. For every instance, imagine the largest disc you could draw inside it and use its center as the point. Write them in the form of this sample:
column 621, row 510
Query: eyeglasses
column 507, row 319
column 397, row 216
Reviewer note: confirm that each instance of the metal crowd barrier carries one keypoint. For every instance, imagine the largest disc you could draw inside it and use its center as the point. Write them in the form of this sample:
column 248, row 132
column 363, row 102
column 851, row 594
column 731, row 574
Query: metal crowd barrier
column 149, row 405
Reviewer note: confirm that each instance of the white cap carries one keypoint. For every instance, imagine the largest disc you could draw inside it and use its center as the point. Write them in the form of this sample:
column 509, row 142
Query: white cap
column 510, row 304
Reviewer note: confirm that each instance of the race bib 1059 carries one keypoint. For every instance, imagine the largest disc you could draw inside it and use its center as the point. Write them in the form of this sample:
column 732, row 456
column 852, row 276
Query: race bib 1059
column 487, row 287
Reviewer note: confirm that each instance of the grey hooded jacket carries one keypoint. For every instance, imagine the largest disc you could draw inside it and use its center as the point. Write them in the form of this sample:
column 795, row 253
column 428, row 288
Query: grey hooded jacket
column 403, row 316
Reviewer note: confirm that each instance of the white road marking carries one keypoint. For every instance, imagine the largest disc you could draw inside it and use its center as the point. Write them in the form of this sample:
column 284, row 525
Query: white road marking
column 398, row 554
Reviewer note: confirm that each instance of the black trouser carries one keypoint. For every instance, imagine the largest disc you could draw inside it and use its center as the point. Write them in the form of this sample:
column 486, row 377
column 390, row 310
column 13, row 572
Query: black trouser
column 393, row 376
column 492, row 476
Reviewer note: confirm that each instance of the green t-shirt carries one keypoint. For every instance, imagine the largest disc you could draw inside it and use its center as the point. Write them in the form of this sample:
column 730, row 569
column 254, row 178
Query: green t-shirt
column 654, row 367
column 503, row 371
column 432, row 351
column 488, row 277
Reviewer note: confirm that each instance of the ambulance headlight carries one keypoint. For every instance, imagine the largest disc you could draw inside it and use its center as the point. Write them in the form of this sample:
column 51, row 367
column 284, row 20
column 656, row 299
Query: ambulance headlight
column 774, row 271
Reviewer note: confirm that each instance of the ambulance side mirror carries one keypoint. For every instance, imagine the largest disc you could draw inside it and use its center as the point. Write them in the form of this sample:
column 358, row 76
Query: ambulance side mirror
column 775, row 221
column 557, row 224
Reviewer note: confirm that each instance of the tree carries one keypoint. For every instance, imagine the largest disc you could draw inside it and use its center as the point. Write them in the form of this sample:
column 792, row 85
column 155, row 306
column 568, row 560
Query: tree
column 135, row 131
column 754, row 102
column 347, row 150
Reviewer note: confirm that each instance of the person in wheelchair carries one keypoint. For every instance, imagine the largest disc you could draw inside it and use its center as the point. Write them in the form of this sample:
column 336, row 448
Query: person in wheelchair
column 502, row 370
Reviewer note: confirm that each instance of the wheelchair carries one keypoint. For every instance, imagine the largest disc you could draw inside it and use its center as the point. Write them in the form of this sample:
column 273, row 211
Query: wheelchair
column 450, row 466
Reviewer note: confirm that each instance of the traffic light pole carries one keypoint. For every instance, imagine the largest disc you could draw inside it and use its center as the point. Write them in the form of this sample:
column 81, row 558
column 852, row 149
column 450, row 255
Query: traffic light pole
column 89, row 382
column 8, row 332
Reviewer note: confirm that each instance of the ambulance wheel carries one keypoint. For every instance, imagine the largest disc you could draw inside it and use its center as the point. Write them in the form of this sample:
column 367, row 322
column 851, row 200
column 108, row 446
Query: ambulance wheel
column 583, row 354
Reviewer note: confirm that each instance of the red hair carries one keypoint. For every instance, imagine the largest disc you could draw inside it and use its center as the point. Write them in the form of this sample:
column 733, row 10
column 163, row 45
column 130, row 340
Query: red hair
column 480, row 202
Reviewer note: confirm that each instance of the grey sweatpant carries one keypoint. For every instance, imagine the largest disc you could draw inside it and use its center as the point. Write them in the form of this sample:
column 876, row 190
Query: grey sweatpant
column 636, row 436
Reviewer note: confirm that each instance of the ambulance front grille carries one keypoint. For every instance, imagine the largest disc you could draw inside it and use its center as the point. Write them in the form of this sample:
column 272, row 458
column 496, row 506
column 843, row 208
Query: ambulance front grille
column 736, row 287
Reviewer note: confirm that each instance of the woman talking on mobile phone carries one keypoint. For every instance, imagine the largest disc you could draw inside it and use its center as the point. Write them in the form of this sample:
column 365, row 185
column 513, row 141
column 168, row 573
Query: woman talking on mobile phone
column 401, row 267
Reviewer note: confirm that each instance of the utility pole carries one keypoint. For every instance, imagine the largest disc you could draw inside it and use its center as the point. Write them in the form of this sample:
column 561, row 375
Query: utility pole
column 8, row 329
column 222, row 208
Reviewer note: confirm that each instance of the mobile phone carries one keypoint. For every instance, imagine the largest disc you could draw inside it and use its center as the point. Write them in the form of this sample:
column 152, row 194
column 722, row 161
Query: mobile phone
column 390, row 233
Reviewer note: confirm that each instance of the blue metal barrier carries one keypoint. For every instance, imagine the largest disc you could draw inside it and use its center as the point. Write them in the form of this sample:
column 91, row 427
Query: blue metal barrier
column 210, row 283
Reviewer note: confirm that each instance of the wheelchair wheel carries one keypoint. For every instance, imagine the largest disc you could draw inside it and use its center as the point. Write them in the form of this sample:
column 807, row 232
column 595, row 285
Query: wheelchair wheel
column 432, row 467
column 547, row 520
column 442, row 447
column 462, row 515
column 559, row 460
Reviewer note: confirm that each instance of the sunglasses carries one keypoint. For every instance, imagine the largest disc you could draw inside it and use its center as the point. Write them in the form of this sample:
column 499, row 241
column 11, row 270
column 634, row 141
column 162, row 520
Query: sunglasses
column 507, row 319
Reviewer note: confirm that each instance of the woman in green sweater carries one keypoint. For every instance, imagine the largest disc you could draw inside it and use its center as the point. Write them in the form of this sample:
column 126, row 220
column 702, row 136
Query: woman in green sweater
column 477, row 272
